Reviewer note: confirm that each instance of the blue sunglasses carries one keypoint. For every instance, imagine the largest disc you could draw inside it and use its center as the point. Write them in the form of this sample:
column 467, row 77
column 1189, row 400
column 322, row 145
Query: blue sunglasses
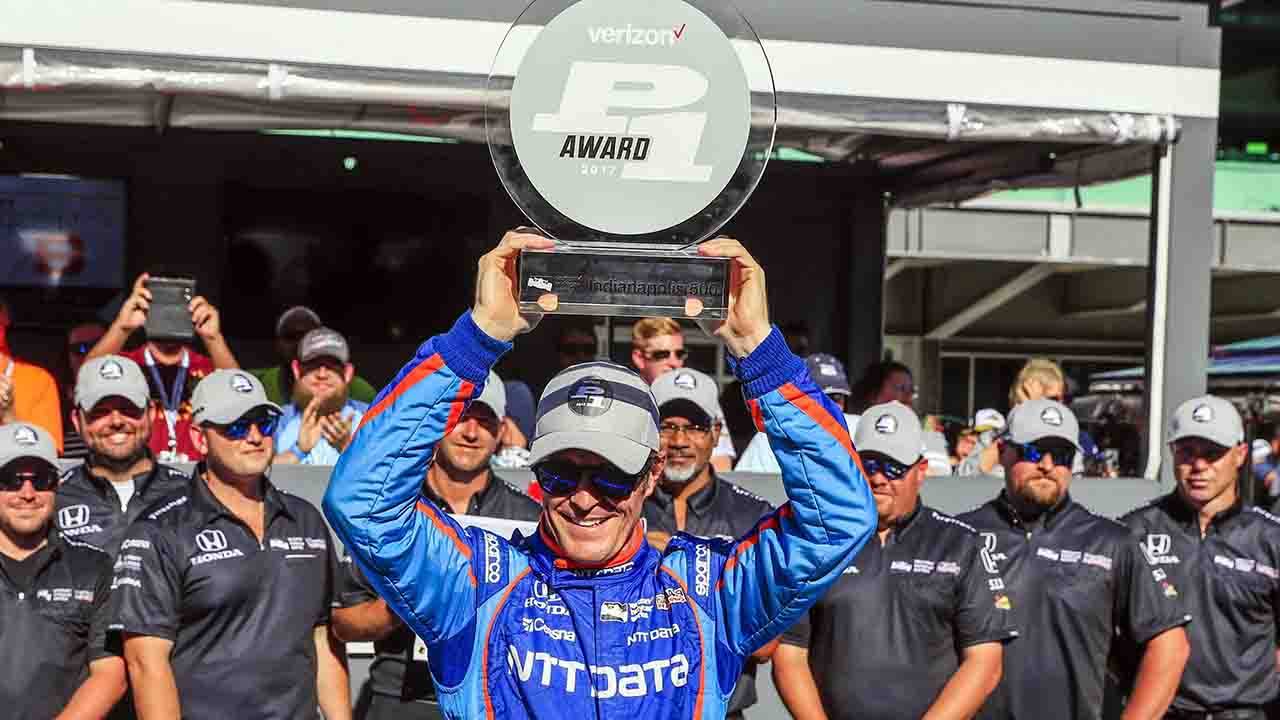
column 239, row 429
column 563, row 478
column 1063, row 455
column 891, row 469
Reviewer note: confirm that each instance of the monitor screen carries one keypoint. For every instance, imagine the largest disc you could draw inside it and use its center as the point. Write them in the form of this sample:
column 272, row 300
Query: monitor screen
column 61, row 231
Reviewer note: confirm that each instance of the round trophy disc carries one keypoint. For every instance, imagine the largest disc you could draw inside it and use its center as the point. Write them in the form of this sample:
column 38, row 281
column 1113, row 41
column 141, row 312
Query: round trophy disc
column 636, row 123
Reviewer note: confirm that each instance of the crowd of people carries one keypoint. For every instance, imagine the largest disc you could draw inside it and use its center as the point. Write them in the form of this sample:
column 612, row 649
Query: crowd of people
column 652, row 587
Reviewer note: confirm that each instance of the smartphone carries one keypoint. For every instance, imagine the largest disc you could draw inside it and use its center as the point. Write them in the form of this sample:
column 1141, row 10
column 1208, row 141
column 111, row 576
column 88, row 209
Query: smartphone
column 169, row 318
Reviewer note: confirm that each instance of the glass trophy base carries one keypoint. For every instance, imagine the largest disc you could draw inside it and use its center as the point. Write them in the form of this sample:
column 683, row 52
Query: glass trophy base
column 625, row 282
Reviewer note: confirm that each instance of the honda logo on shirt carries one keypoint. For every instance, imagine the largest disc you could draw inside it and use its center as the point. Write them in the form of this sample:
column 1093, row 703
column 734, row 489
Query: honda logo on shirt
column 1159, row 544
column 211, row 541
column 73, row 517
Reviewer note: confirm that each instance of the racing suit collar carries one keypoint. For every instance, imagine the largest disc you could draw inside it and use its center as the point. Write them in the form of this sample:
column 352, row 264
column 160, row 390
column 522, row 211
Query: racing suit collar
column 1186, row 515
column 140, row 480
column 1044, row 520
column 548, row 558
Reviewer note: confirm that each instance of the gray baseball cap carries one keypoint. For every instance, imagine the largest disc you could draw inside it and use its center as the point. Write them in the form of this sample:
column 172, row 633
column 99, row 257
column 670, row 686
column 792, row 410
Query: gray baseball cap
column 684, row 391
column 1208, row 417
column 890, row 429
column 23, row 440
column 494, row 395
column 1044, row 418
column 323, row 342
column 110, row 375
column 600, row 407
column 225, row 396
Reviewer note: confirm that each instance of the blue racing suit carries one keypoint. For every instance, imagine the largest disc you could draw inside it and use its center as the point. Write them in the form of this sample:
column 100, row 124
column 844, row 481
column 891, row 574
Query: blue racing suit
column 514, row 630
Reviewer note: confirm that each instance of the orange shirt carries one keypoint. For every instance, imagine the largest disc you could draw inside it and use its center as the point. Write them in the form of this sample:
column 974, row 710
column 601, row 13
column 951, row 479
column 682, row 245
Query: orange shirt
column 35, row 396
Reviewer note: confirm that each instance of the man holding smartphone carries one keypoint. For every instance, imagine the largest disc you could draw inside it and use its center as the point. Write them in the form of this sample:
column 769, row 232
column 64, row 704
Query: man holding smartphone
column 173, row 366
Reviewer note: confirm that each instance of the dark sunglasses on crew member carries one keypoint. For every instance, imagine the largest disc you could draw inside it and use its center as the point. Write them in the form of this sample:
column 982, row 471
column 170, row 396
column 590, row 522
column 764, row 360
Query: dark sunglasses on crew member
column 43, row 479
column 892, row 469
column 239, row 429
column 1063, row 455
column 664, row 354
column 563, row 478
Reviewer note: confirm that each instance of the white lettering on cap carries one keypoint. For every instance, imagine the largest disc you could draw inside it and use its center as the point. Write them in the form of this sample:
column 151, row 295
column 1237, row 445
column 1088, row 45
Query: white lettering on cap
column 111, row 370
column 685, row 381
column 1051, row 416
column 886, row 424
column 241, row 383
column 24, row 435
column 827, row 369
column 1202, row 414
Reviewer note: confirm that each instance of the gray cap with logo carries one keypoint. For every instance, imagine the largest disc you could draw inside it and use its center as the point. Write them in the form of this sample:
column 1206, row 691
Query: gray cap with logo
column 323, row 342
column 890, row 429
column 111, row 375
column 684, row 391
column 494, row 395
column 1044, row 418
column 599, row 407
column 23, row 440
column 1208, row 417
column 225, row 396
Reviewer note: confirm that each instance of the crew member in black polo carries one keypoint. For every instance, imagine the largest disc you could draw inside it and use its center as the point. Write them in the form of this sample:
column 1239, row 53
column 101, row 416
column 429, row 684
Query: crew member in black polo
column 223, row 592
column 917, row 624
column 98, row 499
column 459, row 481
column 1224, row 557
column 1074, row 579
column 54, row 595
column 691, row 497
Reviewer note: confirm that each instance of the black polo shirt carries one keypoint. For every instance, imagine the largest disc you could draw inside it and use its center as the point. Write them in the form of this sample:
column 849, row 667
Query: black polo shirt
column 53, row 627
column 394, row 672
column 719, row 510
column 1230, row 580
column 887, row 637
column 241, row 614
column 1074, row 578
column 89, row 508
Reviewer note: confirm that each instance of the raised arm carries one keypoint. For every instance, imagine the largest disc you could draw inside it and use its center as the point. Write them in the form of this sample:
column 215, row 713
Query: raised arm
column 772, row 575
column 412, row 553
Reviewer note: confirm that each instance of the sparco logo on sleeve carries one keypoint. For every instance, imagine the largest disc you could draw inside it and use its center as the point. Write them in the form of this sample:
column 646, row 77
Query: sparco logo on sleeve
column 702, row 570
column 616, row 118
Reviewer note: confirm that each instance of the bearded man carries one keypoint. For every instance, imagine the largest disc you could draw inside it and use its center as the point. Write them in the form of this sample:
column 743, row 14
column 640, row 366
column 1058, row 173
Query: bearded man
column 318, row 426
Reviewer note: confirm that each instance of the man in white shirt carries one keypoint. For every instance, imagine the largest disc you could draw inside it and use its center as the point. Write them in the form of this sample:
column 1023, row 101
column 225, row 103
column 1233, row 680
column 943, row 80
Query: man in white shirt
column 828, row 372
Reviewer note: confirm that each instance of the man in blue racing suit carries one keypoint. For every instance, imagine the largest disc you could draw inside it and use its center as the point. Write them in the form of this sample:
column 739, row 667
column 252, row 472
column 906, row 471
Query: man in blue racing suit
column 584, row 619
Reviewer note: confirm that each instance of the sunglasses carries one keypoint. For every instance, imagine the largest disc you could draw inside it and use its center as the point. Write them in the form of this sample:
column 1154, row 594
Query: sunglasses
column 1063, row 456
column 891, row 469
column 1185, row 453
column 43, row 480
column 664, row 354
column 239, row 430
column 562, row 478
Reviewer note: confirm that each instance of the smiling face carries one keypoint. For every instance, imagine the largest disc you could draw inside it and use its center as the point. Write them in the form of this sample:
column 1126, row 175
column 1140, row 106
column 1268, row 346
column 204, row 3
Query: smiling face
column 590, row 528
column 472, row 442
column 25, row 512
column 115, row 430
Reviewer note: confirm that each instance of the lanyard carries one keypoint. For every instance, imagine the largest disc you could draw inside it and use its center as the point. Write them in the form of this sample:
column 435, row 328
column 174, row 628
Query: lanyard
column 170, row 402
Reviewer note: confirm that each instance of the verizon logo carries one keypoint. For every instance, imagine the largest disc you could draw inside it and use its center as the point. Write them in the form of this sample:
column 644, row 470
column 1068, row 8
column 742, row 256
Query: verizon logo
column 629, row 35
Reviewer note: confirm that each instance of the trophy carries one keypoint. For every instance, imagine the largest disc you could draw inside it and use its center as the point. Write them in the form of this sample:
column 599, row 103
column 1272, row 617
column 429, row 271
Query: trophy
column 629, row 131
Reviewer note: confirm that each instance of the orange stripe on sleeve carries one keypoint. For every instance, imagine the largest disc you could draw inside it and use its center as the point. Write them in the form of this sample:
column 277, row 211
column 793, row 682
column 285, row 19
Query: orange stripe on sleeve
column 424, row 370
column 432, row 514
column 818, row 414
column 702, row 647
column 770, row 524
